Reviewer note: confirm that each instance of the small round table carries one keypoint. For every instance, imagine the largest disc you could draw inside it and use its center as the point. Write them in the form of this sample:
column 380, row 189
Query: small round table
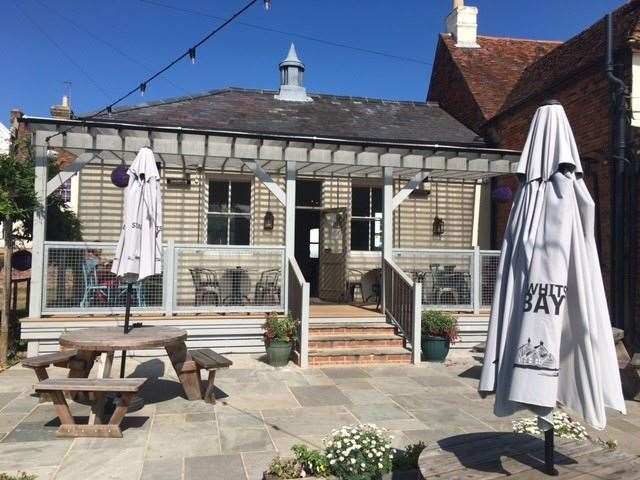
column 104, row 341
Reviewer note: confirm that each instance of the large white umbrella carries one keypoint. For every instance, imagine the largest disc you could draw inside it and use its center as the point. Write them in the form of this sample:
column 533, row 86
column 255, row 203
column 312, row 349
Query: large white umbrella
column 550, row 338
column 139, row 251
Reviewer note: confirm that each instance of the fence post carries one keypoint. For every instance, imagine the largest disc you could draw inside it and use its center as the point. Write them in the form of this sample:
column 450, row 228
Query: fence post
column 416, row 341
column 169, row 278
column 39, row 230
column 477, row 275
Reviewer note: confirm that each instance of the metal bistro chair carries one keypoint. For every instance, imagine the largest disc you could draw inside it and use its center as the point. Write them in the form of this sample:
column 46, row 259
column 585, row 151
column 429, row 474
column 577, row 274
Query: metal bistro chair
column 92, row 290
column 268, row 287
column 354, row 283
column 207, row 286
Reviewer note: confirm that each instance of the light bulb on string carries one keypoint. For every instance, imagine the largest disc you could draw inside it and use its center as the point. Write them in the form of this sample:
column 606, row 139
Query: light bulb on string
column 143, row 88
column 192, row 55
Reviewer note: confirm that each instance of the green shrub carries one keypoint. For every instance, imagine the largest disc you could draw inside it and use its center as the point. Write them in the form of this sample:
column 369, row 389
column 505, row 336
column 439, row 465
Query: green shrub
column 407, row 459
column 19, row 476
column 313, row 462
column 284, row 468
column 279, row 327
column 436, row 323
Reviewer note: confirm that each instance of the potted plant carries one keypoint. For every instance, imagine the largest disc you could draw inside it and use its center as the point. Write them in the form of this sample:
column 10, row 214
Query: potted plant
column 439, row 331
column 279, row 332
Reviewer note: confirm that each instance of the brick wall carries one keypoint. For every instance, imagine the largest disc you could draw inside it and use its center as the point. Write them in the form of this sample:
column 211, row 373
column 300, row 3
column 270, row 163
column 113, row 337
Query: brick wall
column 586, row 100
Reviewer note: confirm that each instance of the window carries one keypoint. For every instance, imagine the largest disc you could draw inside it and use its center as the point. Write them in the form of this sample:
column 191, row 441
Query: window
column 64, row 191
column 229, row 212
column 314, row 242
column 366, row 218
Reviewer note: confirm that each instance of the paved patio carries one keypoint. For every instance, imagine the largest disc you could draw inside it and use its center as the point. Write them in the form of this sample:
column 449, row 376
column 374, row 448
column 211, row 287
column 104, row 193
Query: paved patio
column 261, row 411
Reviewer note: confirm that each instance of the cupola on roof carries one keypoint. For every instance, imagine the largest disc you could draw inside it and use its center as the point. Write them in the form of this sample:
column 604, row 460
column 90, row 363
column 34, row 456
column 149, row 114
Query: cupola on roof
column 292, row 79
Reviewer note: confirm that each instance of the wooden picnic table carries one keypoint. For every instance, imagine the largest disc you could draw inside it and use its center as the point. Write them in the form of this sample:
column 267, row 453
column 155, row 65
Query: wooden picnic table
column 104, row 341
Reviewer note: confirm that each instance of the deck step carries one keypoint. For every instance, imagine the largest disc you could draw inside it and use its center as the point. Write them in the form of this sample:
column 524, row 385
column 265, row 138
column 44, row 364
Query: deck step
column 374, row 317
column 354, row 340
column 353, row 356
column 368, row 328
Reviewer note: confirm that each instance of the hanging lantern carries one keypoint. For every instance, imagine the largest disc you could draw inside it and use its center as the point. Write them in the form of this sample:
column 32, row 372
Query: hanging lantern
column 438, row 223
column 502, row 194
column 269, row 220
column 21, row 260
column 120, row 177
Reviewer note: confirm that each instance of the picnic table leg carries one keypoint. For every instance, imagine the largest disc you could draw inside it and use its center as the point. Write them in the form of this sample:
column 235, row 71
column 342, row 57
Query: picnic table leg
column 190, row 379
column 104, row 371
column 62, row 408
column 79, row 367
column 209, row 394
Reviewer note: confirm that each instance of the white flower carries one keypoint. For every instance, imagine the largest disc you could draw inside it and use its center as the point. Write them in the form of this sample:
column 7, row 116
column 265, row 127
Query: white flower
column 379, row 465
column 332, row 462
column 370, row 455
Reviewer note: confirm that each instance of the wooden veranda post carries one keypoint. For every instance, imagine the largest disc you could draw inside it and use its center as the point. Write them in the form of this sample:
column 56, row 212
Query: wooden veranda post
column 6, row 290
column 387, row 225
column 39, row 231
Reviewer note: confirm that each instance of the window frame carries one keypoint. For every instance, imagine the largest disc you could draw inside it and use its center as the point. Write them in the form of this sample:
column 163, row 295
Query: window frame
column 229, row 214
column 371, row 220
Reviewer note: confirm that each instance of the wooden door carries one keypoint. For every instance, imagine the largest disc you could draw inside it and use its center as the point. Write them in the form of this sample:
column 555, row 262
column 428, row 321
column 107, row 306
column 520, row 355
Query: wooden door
column 333, row 254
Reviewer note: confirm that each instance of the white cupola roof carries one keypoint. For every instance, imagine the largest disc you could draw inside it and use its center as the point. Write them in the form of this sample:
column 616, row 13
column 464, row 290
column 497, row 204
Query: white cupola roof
column 292, row 79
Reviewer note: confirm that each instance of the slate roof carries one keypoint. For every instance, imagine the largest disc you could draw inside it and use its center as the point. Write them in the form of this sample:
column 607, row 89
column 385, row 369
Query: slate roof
column 257, row 111
column 492, row 70
column 583, row 50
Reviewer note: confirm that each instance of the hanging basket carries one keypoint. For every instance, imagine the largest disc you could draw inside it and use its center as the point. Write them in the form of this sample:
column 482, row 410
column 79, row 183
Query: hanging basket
column 21, row 260
column 120, row 177
column 502, row 194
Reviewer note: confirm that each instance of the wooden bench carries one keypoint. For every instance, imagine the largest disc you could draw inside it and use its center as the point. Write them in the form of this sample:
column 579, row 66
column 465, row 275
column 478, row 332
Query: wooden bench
column 202, row 359
column 40, row 363
column 126, row 388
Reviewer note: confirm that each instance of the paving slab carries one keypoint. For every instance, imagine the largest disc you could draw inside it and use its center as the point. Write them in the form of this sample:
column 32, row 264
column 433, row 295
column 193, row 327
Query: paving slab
column 236, row 440
column 314, row 396
column 227, row 467
column 6, row 397
column 166, row 469
column 114, row 464
column 163, row 448
column 23, row 455
column 378, row 412
column 256, row 463
column 345, row 372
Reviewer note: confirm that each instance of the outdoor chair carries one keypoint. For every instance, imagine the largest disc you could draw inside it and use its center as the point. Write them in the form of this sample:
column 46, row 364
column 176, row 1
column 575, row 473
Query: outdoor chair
column 121, row 292
column 268, row 287
column 93, row 291
column 207, row 285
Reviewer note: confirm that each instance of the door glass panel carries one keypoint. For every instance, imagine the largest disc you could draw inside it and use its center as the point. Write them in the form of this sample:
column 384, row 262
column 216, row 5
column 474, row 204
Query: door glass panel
column 218, row 196
column 239, row 231
column 308, row 193
column 314, row 238
column 360, row 201
column 240, row 197
column 217, row 230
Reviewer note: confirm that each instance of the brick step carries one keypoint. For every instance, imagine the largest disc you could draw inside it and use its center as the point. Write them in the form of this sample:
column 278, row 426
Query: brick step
column 350, row 340
column 350, row 356
column 372, row 328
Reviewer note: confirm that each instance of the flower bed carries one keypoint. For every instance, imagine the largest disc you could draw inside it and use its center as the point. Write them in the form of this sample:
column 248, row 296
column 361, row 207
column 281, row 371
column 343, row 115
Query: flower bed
column 354, row 452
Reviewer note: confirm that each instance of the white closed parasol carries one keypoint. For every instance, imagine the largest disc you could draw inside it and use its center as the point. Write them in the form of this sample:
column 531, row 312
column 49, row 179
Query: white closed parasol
column 139, row 251
column 550, row 339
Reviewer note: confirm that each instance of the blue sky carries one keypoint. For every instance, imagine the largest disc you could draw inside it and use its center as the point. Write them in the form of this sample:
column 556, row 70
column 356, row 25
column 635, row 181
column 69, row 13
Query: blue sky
column 110, row 46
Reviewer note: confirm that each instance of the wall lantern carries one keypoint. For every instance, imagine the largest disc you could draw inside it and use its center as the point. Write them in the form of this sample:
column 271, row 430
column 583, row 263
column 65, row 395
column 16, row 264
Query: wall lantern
column 268, row 220
column 21, row 260
column 120, row 177
column 268, row 217
column 438, row 223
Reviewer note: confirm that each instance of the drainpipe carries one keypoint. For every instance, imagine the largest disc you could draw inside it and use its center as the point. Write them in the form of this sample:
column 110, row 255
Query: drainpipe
column 619, row 128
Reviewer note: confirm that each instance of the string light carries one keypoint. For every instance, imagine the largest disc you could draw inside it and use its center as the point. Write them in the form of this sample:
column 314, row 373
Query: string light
column 191, row 53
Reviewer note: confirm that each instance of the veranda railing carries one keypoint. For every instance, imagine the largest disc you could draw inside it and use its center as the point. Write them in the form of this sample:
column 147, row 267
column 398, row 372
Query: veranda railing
column 195, row 278
column 298, row 307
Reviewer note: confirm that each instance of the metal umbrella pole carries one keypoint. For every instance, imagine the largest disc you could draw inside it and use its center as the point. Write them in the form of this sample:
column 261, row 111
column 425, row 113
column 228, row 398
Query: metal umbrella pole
column 545, row 423
column 127, row 315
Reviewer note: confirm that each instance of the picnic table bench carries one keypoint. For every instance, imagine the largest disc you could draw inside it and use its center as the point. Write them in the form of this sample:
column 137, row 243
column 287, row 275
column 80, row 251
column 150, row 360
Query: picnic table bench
column 204, row 359
column 126, row 388
column 40, row 363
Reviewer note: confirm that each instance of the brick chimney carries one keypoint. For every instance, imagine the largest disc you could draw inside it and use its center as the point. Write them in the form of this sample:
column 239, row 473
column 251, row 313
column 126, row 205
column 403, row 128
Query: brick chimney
column 63, row 110
column 462, row 24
